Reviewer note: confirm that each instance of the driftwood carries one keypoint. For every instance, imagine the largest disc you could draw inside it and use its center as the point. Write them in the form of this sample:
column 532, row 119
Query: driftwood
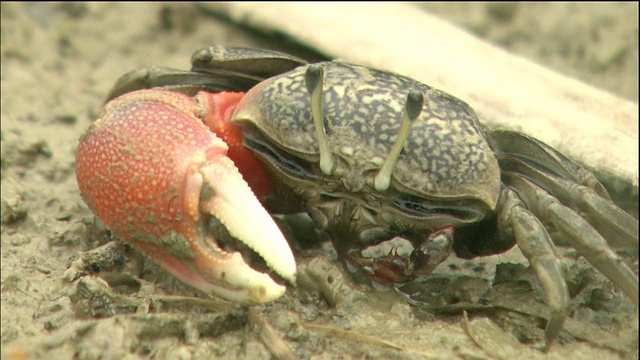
column 596, row 128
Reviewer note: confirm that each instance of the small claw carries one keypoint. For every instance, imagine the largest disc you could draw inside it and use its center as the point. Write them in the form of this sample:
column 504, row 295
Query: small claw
column 393, row 268
column 155, row 175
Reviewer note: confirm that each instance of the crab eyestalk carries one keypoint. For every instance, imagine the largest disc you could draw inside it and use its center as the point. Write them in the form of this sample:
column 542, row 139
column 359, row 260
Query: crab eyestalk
column 412, row 109
column 314, row 80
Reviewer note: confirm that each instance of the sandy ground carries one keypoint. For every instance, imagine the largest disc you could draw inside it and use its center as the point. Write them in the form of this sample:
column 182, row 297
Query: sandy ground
column 58, row 63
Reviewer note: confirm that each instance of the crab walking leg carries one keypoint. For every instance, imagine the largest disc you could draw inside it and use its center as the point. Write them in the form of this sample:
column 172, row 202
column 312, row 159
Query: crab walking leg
column 536, row 245
column 606, row 217
column 524, row 147
column 583, row 237
column 154, row 173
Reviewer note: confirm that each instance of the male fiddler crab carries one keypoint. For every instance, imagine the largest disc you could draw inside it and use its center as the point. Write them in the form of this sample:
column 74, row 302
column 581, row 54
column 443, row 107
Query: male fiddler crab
column 183, row 164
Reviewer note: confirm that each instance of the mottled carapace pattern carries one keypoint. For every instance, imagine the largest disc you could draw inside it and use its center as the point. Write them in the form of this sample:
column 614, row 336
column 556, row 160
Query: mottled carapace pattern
column 443, row 158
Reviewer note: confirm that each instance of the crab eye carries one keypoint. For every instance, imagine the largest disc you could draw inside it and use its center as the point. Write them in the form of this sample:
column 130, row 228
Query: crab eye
column 286, row 162
column 412, row 204
column 464, row 210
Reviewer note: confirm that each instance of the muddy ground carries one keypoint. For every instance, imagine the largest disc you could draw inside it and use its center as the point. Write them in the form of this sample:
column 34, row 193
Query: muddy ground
column 58, row 62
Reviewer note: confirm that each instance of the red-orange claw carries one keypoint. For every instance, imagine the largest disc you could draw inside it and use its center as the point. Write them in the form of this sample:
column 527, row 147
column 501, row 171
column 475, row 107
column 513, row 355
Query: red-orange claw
column 155, row 175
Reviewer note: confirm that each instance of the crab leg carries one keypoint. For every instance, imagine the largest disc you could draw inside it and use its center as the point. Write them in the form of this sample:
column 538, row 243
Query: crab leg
column 610, row 221
column 579, row 232
column 155, row 174
column 521, row 146
column 536, row 245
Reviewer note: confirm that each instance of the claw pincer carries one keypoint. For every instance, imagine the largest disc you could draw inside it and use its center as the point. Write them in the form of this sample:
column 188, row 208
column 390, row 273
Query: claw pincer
column 156, row 175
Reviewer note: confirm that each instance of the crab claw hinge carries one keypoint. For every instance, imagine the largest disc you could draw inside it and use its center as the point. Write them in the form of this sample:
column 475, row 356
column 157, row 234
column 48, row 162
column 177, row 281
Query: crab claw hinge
column 412, row 109
column 313, row 79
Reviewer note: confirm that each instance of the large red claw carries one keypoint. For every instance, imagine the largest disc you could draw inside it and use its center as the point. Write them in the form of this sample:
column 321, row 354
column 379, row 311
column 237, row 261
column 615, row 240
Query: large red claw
column 155, row 175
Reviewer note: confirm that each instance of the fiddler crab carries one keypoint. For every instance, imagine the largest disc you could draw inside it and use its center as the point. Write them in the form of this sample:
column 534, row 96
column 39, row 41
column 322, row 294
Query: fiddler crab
column 183, row 164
